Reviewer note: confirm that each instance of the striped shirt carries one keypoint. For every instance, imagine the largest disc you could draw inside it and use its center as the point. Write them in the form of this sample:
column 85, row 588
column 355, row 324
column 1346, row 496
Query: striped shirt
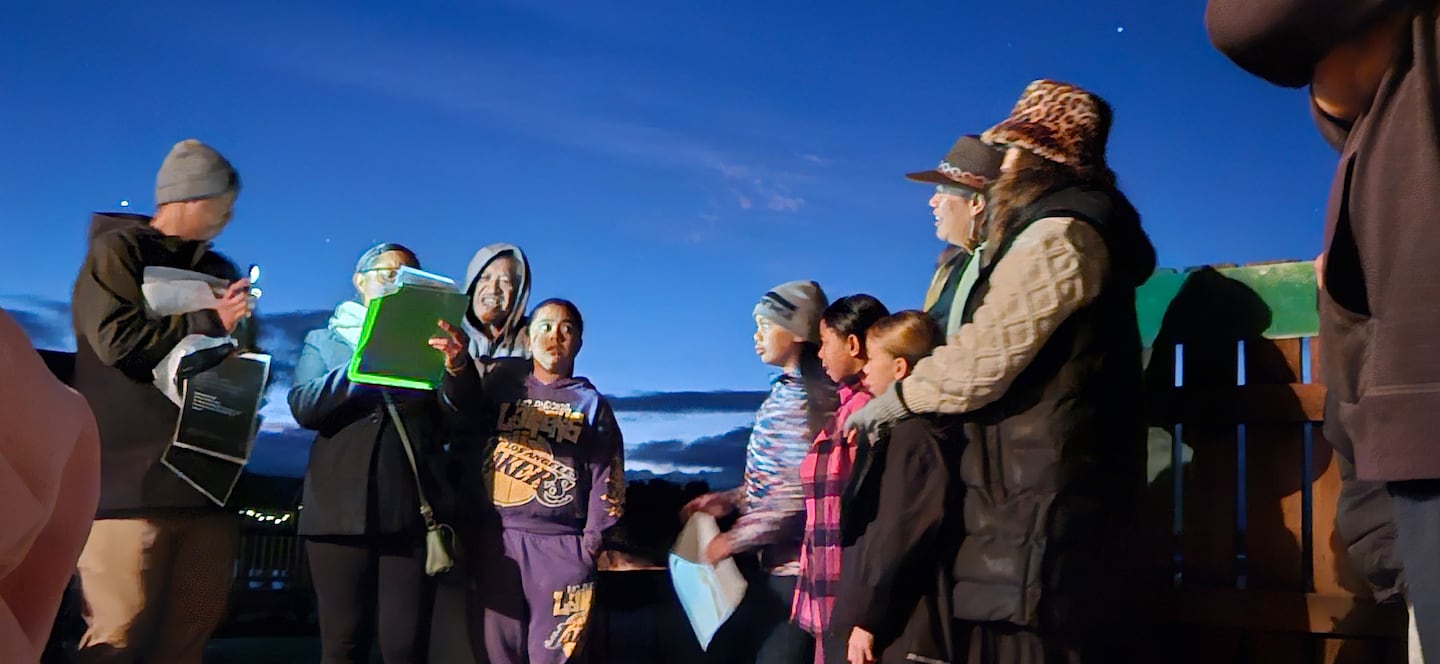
column 823, row 476
column 771, row 509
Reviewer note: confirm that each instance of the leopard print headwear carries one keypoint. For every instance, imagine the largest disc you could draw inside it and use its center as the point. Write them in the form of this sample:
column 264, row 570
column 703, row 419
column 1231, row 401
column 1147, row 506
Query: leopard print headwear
column 1057, row 121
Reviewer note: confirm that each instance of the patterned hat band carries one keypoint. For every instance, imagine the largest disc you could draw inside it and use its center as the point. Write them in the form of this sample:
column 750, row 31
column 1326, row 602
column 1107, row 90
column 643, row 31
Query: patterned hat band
column 775, row 306
column 963, row 177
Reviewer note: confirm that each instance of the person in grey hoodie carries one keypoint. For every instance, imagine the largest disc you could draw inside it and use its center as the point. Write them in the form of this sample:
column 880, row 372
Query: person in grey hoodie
column 498, row 283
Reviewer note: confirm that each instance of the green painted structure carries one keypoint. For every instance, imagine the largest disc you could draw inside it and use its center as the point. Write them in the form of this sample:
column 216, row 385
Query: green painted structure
column 1273, row 301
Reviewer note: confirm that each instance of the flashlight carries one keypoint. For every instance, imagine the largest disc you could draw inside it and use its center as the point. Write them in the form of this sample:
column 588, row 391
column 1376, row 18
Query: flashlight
column 254, row 274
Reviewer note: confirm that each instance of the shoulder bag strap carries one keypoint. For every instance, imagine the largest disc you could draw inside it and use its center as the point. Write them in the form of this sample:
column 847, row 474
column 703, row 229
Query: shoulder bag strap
column 425, row 510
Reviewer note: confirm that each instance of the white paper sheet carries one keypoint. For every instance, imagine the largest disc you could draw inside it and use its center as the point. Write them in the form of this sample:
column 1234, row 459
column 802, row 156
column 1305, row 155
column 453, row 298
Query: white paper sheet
column 709, row 594
column 169, row 291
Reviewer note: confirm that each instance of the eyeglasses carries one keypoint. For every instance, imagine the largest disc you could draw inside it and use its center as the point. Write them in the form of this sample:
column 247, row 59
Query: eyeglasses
column 950, row 190
column 386, row 275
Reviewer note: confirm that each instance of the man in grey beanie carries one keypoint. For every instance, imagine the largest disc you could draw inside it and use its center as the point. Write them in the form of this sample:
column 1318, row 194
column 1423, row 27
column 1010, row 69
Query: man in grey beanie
column 158, row 563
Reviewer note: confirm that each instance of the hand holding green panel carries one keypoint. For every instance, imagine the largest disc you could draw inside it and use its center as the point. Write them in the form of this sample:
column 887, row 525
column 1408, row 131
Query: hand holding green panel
column 393, row 348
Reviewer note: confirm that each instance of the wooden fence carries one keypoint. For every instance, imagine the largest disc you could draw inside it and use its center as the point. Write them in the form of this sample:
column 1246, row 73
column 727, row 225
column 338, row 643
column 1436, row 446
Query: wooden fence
column 1241, row 543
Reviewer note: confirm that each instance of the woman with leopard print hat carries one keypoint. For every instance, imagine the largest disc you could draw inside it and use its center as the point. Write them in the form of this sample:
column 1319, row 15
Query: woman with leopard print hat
column 1046, row 365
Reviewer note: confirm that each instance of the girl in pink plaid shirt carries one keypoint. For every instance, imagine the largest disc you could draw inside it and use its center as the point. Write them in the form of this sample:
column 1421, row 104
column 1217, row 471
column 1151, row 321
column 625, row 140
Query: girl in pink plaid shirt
column 826, row 469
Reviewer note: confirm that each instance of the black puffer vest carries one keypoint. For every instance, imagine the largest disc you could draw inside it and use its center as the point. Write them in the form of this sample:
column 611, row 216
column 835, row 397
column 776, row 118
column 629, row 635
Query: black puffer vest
column 1053, row 468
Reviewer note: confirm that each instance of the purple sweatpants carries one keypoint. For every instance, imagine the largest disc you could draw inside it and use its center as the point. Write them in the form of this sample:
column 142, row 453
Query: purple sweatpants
column 531, row 598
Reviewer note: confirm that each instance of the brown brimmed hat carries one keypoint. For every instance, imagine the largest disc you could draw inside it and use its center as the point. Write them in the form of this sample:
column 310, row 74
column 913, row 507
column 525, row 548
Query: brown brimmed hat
column 1058, row 121
column 970, row 164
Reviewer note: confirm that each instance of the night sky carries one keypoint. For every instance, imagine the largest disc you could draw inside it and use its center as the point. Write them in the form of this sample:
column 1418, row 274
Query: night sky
column 662, row 163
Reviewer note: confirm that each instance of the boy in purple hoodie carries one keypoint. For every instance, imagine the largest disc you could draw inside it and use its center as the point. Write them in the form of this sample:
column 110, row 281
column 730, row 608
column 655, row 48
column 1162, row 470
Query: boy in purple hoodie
column 540, row 492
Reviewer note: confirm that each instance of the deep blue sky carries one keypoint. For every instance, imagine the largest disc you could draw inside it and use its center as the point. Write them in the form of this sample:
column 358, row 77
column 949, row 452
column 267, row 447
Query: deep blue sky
column 662, row 162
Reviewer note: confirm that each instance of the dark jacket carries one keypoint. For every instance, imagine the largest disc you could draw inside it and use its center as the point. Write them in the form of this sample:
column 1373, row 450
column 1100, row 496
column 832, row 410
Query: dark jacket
column 1380, row 307
column 1053, row 469
column 1363, row 517
column 940, row 298
column 117, row 348
column 903, row 522
column 358, row 481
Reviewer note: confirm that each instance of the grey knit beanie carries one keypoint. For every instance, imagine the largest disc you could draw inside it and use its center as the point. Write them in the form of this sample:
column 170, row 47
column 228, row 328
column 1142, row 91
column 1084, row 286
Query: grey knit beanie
column 192, row 171
column 795, row 306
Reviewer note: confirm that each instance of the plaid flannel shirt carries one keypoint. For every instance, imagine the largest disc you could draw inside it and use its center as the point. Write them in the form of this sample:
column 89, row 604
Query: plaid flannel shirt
column 823, row 476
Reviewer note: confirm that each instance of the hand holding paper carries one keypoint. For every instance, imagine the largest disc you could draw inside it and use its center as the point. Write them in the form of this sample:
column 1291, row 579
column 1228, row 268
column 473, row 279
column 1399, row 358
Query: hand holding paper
column 720, row 548
column 709, row 593
column 715, row 504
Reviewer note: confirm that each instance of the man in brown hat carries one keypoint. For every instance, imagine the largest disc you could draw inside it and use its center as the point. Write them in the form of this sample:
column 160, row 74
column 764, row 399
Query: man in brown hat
column 959, row 208
column 1046, row 363
column 1373, row 68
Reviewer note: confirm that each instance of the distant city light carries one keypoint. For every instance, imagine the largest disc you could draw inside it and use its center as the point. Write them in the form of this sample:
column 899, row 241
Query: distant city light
column 262, row 517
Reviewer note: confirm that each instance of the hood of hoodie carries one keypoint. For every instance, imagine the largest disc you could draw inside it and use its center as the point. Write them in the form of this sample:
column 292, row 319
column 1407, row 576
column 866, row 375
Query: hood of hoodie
column 512, row 379
column 509, row 343
column 138, row 225
column 347, row 320
column 1132, row 256
column 574, row 384
column 106, row 222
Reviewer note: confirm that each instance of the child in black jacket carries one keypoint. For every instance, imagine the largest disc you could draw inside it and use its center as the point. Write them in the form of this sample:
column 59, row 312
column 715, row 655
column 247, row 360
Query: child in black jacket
column 902, row 520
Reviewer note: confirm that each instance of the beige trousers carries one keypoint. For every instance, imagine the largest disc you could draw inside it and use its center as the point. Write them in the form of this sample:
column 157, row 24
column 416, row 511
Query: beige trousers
column 155, row 588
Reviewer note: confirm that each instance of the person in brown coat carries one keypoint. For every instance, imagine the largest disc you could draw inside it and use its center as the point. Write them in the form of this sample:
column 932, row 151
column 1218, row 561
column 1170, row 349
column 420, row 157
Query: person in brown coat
column 1373, row 69
column 157, row 567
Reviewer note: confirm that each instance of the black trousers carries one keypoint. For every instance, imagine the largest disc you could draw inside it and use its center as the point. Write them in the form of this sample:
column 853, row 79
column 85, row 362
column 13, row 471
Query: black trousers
column 1416, row 506
column 362, row 581
column 760, row 631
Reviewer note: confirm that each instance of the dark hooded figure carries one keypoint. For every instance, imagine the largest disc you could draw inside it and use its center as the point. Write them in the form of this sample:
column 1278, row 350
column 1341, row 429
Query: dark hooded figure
column 1373, row 69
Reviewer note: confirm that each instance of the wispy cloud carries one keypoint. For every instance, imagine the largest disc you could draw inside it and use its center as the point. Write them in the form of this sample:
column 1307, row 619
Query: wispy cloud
column 719, row 458
column 571, row 103
column 783, row 203
column 718, row 451
column 46, row 322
